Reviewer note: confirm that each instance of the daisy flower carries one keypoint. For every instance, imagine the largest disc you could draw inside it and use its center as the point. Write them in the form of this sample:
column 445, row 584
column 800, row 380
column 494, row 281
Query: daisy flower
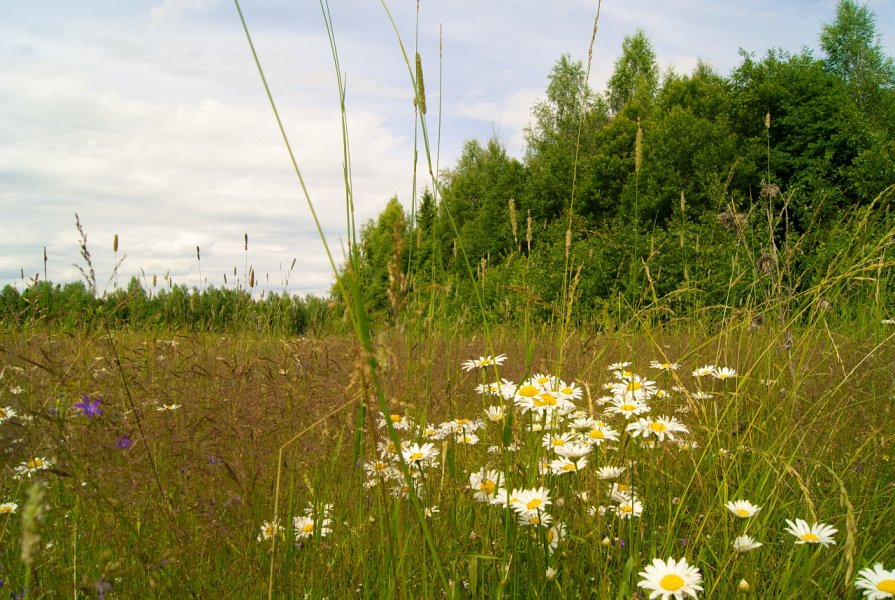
column 661, row 427
column 627, row 408
column 618, row 366
column 745, row 543
column 533, row 500
column 597, row 435
column 700, row 395
column 631, row 507
column 664, row 366
column 6, row 412
column 634, row 388
column 431, row 510
column 485, row 484
column 463, row 425
column 816, row 533
column 543, row 381
column 488, row 389
column 419, row 454
column 305, row 527
column 621, row 492
column 399, row 422
column 495, row 414
column 610, row 472
column 269, row 529
column 32, row 466
column 554, row 535
column 877, row 582
column 484, row 361
column 564, row 465
column 568, row 391
column 8, row 508
column 742, row 508
column 552, row 441
column 573, row 450
column 670, row 579
column 535, row 519
column 704, row 371
column 470, row 439
column 723, row 373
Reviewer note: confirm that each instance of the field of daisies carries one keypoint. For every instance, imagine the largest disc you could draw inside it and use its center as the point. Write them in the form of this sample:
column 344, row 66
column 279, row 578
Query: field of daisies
column 658, row 464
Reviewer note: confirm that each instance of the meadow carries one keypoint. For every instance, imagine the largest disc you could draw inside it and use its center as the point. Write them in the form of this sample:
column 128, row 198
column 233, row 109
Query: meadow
column 641, row 399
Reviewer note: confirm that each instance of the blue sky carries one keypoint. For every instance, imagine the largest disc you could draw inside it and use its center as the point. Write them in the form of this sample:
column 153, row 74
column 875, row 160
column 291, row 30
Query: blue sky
column 148, row 119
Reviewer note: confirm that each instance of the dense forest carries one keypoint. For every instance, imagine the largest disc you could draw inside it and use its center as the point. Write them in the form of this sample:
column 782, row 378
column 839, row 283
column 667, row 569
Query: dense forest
column 667, row 193
column 679, row 191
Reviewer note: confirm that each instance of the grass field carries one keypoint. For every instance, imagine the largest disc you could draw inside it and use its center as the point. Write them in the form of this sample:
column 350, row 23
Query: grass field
column 162, row 488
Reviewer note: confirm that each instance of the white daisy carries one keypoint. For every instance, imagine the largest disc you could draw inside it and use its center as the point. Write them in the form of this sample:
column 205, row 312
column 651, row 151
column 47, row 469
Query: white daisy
column 671, row 579
column 723, row 373
column 7, row 508
column 269, row 529
column 609, row 472
column 742, row 508
column 816, row 533
column 744, row 543
column 704, row 371
column 419, row 454
column 877, row 583
column 484, row 361
column 485, row 484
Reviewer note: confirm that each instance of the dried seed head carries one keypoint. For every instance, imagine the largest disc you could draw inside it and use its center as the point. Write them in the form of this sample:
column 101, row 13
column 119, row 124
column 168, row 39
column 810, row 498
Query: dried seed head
column 115, row 243
column 766, row 263
column 683, row 203
column 198, row 256
column 769, row 190
column 246, row 242
column 767, row 120
column 732, row 219
column 251, row 278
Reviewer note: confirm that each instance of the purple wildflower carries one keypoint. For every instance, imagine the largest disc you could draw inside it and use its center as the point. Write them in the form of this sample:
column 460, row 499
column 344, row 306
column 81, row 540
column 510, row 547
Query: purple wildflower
column 89, row 407
column 124, row 442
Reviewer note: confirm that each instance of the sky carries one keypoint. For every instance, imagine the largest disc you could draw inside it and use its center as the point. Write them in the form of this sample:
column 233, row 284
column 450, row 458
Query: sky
column 148, row 119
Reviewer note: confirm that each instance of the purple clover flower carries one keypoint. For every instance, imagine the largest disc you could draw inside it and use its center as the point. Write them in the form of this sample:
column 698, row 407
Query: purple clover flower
column 89, row 407
column 123, row 442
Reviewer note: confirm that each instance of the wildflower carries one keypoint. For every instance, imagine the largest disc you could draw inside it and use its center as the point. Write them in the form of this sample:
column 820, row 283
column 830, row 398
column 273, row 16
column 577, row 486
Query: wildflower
column 745, row 543
column 15, row 391
column 634, row 388
column 533, row 500
column 704, row 371
column 700, row 395
column 304, row 526
column 742, row 508
column 419, row 454
column 33, row 466
column 877, row 582
column 554, row 535
column 630, row 507
column 609, row 472
column 123, row 442
column 430, row 510
column 535, row 519
column 485, row 484
column 817, row 533
column 484, row 361
column 551, row 442
column 573, row 450
column 550, row 574
column 495, row 414
column 568, row 391
column 269, row 529
column 627, row 408
column 6, row 413
column 399, row 422
column 618, row 366
column 166, row 407
column 565, row 465
column 664, row 366
column 463, row 425
column 89, row 407
column 7, row 508
column 621, row 492
column 597, row 435
column 671, row 578
column 723, row 373
column 470, row 439
column 661, row 427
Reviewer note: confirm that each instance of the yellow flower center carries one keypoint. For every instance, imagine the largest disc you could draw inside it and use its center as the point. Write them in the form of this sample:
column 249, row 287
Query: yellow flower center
column 596, row 434
column 622, row 487
column 665, row 365
column 886, row 585
column 633, row 386
column 488, row 486
column 627, row 407
column 534, row 504
column 558, row 442
column 550, row 535
column 568, row 467
column 567, row 390
column 416, row 456
column 672, row 582
column 308, row 528
column 626, row 508
column 5, row 509
column 627, row 374
column 2, row 413
column 395, row 418
column 35, row 463
column 543, row 380
column 544, row 400
column 811, row 538
column 657, row 426
column 529, row 391
column 743, row 512
column 462, row 422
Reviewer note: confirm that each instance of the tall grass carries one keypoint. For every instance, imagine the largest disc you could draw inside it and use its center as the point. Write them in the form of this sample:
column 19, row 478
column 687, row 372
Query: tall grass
column 252, row 464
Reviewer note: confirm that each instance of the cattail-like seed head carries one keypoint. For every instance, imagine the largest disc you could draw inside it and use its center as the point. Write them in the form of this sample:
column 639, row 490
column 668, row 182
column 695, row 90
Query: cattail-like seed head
column 198, row 257
column 115, row 243
column 251, row 278
column 246, row 242
column 767, row 120
column 513, row 223
column 638, row 148
column 420, row 86
column 154, row 280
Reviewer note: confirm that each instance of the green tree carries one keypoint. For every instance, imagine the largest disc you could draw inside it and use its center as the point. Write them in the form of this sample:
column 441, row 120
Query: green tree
column 636, row 73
